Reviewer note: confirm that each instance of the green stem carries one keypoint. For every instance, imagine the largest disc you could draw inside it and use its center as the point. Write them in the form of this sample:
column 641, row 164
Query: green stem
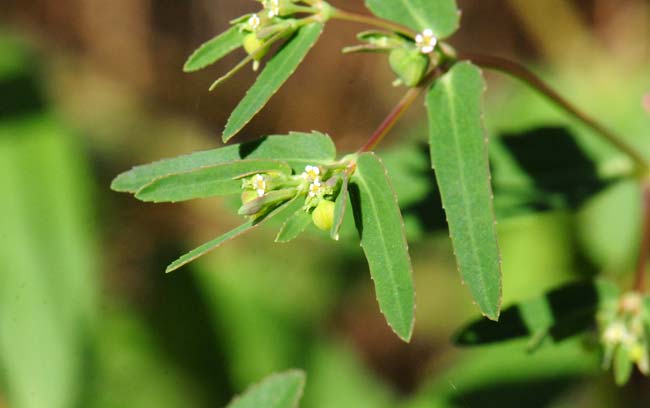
column 372, row 21
column 524, row 74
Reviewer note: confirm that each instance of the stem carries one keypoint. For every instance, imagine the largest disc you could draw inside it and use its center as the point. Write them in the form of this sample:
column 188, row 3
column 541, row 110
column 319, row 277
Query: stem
column 522, row 73
column 644, row 250
column 372, row 21
column 391, row 119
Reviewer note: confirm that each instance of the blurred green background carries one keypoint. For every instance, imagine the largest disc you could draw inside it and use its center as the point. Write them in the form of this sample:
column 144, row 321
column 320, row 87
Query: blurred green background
column 89, row 88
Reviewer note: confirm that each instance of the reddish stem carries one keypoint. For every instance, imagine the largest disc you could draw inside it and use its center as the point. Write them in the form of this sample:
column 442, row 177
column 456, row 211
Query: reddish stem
column 524, row 74
column 391, row 119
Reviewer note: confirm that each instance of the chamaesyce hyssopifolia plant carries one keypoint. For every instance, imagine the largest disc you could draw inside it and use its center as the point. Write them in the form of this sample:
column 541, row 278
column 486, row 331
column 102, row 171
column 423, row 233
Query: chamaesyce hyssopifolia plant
column 300, row 179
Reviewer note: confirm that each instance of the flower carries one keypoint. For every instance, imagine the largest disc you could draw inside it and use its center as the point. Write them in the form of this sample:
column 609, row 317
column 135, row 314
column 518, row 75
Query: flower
column 311, row 173
column 259, row 185
column 615, row 333
column 426, row 41
column 254, row 22
column 315, row 188
column 272, row 7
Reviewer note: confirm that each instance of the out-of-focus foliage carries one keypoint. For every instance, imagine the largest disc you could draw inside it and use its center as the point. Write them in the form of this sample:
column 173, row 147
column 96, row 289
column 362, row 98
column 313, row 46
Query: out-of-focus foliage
column 83, row 323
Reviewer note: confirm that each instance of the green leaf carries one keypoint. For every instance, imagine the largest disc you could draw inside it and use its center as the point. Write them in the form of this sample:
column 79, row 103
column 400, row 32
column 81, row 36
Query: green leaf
column 339, row 209
column 381, row 230
column 459, row 157
column 297, row 149
column 282, row 390
column 279, row 68
column 211, row 181
column 215, row 49
column 440, row 16
column 560, row 313
column 294, row 226
column 283, row 211
column 623, row 365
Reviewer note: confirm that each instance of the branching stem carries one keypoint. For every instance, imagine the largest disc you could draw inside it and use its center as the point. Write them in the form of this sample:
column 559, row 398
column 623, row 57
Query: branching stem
column 393, row 117
column 372, row 21
column 524, row 74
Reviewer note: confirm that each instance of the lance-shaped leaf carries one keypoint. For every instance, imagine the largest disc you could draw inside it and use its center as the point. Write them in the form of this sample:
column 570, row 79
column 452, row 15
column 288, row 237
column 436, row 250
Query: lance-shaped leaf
column 204, row 182
column 558, row 314
column 215, row 49
column 440, row 16
column 294, row 226
column 282, row 390
column 279, row 68
column 381, row 230
column 459, row 156
column 339, row 208
column 282, row 212
column 296, row 149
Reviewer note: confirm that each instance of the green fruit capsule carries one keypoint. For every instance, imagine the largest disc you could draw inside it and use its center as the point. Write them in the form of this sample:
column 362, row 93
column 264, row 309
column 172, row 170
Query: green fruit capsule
column 409, row 64
column 254, row 46
column 323, row 215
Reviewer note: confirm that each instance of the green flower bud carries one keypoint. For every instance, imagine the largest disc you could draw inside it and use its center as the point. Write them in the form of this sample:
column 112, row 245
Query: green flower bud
column 409, row 64
column 323, row 215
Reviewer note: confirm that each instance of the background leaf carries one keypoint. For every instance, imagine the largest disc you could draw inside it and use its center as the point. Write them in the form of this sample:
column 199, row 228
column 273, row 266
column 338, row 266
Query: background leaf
column 459, row 157
column 279, row 68
column 205, row 182
column 47, row 285
column 441, row 16
column 276, row 391
column 297, row 149
column 560, row 313
column 215, row 49
column 383, row 240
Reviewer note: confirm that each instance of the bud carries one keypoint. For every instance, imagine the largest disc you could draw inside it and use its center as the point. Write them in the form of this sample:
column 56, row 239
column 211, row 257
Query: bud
column 323, row 215
column 409, row 65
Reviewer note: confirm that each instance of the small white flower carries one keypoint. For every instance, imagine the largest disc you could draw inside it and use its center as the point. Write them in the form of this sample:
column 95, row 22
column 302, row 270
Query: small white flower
column 315, row 188
column 615, row 333
column 254, row 22
column 272, row 7
column 259, row 184
column 426, row 41
column 311, row 173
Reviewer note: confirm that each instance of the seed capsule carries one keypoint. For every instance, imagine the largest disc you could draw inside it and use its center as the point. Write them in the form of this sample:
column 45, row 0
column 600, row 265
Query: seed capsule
column 323, row 215
column 254, row 46
column 409, row 64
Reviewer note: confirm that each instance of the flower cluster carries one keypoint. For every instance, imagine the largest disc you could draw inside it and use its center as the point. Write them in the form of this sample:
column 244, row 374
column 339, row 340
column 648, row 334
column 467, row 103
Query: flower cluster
column 624, row 334
column 409, row 59
column 316, row 185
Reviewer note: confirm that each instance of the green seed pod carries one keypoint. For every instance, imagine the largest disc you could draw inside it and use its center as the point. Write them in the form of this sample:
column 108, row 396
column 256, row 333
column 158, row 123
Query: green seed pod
column 254, row 46
column 409, row 64
column 248, row 196
column 323, row 215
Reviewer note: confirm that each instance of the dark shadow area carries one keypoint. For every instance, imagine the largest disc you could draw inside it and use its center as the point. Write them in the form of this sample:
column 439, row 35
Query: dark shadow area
column 182, row 322
column 246, row 149
column 573, row 310
column 563, row 175
column 20, row 95
column 537, row 393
